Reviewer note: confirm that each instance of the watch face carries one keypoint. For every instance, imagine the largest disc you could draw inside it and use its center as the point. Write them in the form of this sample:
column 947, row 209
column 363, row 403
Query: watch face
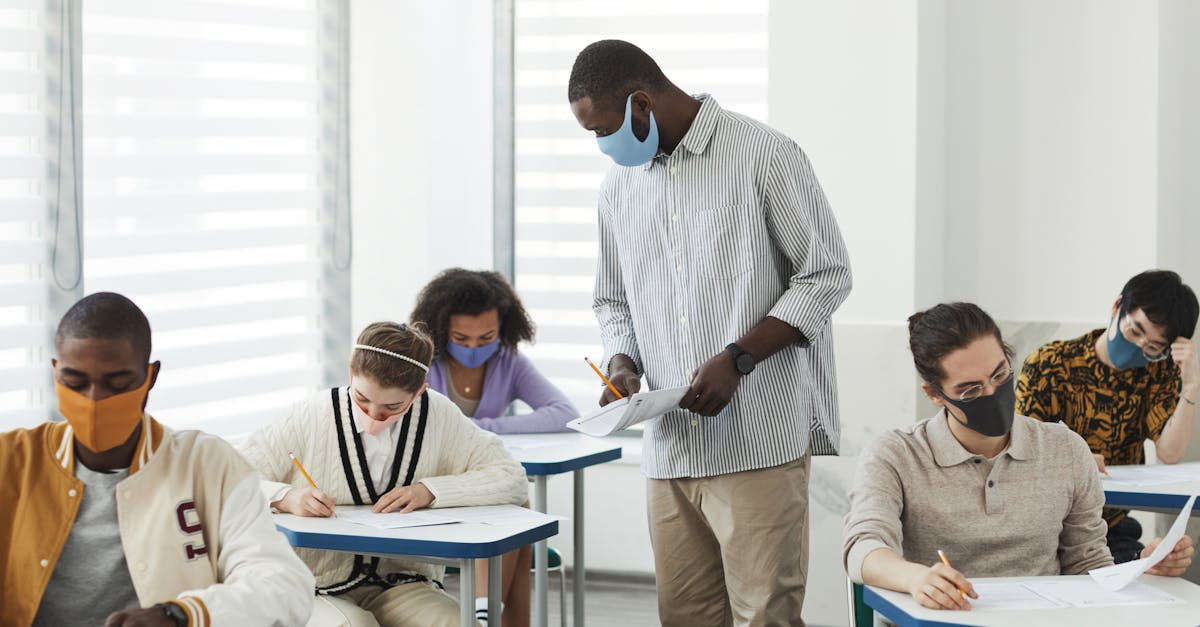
column 745, row 363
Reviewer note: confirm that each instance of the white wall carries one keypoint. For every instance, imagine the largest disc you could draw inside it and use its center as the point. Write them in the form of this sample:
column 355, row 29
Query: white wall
column 421, row 142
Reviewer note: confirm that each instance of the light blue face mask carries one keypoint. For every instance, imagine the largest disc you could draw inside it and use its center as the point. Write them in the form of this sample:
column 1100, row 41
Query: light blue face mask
column 624, row 147
column 1121, row 352
column 473, row 357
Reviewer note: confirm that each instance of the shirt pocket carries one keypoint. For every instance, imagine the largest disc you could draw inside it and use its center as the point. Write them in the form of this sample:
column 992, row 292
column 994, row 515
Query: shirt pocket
column 722, row 242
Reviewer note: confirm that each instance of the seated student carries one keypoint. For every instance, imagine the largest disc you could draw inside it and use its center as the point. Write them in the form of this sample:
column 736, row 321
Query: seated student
column 1137, row 380
column 477, row 320
column 1003, row 495
column 113, row 519
column 382, row 440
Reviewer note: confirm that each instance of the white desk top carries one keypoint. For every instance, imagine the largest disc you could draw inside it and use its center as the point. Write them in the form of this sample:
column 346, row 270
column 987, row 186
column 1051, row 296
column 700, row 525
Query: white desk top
column 556, row 453
column 457, row 540
column 1185, row 614
column 1160, row 497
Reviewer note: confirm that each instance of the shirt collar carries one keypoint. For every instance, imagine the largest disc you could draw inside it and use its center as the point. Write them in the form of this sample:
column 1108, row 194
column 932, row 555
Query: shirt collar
column 947, row 451
column 700, row 132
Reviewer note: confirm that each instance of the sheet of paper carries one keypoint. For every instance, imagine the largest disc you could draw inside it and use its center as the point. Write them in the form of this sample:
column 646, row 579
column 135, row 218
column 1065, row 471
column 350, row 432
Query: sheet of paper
column 627, row 412
column 1118, row 576
column 495, row 515
column 1089, row 594
column 394, row 520
column 1011, row 596
column 1158, row 474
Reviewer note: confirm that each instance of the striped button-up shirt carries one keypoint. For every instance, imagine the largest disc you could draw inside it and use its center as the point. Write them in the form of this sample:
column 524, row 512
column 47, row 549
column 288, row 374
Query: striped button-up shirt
column 696, row 248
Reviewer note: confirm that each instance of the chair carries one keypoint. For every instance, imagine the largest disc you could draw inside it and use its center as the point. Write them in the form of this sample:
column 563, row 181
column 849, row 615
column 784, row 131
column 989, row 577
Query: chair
column 554, row 563
column 861, row 615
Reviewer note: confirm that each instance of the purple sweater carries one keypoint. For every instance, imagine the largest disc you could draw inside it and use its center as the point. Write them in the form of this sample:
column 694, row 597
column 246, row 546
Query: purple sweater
column 508, row 376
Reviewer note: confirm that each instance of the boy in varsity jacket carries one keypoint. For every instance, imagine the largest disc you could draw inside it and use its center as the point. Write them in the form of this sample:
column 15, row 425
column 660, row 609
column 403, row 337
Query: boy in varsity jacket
column 113, row 519
column 383, row 440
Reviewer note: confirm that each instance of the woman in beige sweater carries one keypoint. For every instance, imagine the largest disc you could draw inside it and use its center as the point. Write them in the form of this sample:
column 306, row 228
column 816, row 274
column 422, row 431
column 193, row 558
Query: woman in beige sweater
column 383, row 440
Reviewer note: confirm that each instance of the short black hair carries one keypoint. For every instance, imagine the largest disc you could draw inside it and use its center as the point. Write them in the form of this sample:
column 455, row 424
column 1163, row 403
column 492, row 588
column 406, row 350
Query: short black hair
column 609, row 70
column 458, row 291
column 945, row 328
column 106, row 315
column 1165, row 300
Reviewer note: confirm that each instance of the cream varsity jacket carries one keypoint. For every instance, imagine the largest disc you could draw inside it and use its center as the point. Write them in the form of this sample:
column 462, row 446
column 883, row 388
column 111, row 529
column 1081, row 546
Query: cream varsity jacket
column 193, row 527
column 438, row 446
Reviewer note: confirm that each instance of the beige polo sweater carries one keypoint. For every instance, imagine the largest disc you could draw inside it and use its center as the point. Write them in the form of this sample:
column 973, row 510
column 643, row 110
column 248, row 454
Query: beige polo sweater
column 1034, row 509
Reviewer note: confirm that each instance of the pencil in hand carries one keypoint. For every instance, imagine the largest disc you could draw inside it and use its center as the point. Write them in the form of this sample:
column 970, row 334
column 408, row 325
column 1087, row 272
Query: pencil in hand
column 603, row 378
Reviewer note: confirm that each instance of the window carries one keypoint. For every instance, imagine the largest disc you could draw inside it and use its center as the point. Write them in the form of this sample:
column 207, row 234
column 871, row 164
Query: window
column 24, row 256
column 203, row 194
column 718, row 47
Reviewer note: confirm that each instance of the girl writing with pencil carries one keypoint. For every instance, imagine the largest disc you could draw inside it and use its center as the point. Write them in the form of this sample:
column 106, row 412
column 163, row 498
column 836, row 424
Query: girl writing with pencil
column 383, row 439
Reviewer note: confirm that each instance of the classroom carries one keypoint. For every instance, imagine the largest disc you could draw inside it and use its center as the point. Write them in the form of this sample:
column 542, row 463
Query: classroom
column 567, row 312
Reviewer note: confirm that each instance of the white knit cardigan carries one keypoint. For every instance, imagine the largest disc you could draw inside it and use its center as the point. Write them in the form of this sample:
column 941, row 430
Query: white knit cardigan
column 460, row 463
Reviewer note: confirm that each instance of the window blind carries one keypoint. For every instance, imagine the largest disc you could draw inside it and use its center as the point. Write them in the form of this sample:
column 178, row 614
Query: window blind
column 203, row 190
column 24, row 252
column 717, row 47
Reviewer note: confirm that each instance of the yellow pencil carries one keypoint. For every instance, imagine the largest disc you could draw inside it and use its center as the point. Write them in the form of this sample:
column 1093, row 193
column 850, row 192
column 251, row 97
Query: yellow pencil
column 302, row 470
column 946, row 561
column 603, row 378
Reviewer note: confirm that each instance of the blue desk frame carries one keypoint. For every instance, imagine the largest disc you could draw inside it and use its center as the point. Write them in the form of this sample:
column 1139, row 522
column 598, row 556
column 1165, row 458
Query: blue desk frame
column 460, row 554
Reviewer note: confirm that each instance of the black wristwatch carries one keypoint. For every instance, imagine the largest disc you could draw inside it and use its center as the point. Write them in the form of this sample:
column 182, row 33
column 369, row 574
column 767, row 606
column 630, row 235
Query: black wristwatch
column 175, row 613
column 741, row 359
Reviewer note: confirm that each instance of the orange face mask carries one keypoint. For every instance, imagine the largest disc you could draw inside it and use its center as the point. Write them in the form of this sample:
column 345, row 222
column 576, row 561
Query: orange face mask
column 106, row 424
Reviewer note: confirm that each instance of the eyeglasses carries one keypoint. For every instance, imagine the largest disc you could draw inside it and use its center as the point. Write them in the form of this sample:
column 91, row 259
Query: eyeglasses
column 1152, row 351
column 976, row 391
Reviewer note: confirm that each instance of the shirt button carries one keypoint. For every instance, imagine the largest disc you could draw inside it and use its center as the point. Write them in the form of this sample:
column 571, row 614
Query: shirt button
column 71, row 493
column 674, row 169
column 45, row 563
column 683, row 319
column 125, row 494
column 978, row 461
column 679, row 268
column 991, row 483
column 674, row 217
column 141, row 567
column 695, row 423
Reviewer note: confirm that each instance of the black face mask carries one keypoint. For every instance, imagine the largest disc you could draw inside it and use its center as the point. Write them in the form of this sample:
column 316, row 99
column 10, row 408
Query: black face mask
column 988, row 415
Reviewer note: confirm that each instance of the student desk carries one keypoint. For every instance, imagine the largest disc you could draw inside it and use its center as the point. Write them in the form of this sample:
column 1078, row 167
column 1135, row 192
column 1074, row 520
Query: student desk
column 548, row 454
column 1167, row 498
column 901, row 609
column 458, row 544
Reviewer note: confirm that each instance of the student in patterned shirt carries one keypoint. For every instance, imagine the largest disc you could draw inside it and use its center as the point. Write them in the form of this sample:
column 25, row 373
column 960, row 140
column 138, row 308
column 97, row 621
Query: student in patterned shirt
column 1135, row 380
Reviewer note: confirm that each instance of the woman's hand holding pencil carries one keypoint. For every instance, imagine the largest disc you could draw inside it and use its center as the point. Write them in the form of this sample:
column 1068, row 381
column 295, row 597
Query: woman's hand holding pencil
column 308, row 501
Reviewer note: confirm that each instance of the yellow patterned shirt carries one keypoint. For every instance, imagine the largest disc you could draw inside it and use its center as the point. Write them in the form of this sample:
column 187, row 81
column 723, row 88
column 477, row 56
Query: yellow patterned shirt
column 1114, row 410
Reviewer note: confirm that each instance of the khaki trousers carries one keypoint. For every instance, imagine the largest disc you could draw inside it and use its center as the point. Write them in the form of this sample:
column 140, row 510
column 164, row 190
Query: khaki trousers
column 731, row 549
column 416, row 604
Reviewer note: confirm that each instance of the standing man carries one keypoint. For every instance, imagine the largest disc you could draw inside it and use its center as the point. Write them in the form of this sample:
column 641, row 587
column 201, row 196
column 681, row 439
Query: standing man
column 720, row 265
column 1136, row 380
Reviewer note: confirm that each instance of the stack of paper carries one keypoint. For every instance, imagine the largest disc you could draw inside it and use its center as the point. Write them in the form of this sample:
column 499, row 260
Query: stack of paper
column 1052, row 593
column 487, row 515
column 626, row 412
column 393, row 520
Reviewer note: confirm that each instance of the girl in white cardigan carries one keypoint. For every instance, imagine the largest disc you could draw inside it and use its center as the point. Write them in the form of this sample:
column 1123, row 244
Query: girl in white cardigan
column 383, row 440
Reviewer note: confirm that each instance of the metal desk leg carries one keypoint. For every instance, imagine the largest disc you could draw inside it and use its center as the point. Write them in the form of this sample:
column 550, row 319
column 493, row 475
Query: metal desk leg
column 541, row 580
column 495, row 574
column 579, row 570
column 466, row 593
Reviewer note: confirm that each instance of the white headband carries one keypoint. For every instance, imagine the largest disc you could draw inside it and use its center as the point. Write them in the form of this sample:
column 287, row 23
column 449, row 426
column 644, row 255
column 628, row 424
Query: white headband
column 396, row 355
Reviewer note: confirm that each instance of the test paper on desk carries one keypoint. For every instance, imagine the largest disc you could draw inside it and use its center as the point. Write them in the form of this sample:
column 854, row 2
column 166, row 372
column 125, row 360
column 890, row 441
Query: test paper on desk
column 1120, row 575
column 1158, row 474
column 394, row 520
column 1048, row 593
column 626, row 412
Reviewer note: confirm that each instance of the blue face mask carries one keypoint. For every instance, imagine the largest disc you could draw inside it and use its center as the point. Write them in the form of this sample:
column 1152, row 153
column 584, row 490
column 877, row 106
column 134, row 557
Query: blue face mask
column 473, row 357
column 1121, row 352
column 624, row 147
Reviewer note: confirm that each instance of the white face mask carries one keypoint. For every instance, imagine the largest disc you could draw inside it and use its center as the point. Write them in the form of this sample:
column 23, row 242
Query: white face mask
column 369, row 424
